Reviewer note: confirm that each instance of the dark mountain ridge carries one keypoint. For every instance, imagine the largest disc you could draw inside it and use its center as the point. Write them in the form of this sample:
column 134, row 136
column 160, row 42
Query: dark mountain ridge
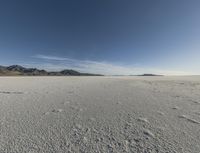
column 17, row 70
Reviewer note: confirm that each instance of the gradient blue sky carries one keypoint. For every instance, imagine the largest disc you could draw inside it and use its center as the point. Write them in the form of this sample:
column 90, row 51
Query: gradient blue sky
column 102, row 36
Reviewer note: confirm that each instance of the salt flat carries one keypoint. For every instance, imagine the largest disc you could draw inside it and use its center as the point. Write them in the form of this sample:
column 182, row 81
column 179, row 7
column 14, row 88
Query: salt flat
column 100, row 114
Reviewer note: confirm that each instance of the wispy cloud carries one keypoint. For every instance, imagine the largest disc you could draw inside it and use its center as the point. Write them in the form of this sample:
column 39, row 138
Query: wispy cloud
column 45, row 57
column 58, row 63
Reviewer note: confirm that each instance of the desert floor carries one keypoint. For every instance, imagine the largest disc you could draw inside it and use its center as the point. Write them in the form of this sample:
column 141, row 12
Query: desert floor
column 100, row 114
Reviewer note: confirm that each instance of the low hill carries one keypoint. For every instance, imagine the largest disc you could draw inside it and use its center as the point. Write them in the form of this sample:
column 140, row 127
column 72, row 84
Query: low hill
column 150, row 75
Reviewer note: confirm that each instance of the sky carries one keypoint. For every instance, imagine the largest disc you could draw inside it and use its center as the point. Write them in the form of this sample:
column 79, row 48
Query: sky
column 109, row 37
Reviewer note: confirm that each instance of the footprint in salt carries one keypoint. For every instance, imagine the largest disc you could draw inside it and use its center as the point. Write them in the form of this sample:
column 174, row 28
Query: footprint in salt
column 148, row 133
column 57, row 110
column 145, row 120
column 161, row 113
column 189, row 119
column 195, row 102
column 175, row 107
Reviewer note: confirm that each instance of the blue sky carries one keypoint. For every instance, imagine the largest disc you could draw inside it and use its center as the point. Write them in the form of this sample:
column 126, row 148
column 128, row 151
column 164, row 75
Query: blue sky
column 106, row 36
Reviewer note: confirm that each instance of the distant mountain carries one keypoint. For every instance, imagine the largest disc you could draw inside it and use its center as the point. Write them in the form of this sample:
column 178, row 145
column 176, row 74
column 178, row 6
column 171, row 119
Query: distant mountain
column 17, row 70
column 150, row 75
column 70, row 72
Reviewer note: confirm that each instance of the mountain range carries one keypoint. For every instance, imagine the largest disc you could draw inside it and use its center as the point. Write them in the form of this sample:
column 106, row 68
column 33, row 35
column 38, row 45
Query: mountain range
column 17, row 70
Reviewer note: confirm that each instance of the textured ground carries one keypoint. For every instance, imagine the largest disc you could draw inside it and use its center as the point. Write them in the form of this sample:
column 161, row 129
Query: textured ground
column 99, row 114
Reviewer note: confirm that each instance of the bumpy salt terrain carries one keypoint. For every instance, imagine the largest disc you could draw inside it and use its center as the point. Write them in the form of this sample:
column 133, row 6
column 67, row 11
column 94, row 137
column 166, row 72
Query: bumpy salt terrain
column 99, row 114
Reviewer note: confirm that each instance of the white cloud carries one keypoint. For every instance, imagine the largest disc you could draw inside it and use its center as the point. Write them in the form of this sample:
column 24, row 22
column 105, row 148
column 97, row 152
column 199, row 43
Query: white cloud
column 58, row 63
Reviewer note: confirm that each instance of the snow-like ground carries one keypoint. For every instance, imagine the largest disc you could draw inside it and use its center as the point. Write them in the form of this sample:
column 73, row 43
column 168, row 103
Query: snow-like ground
column 100, row 114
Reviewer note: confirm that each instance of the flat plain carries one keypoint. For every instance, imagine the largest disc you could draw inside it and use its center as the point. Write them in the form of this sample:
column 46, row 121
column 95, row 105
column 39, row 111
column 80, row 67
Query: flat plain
column 100, row 114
